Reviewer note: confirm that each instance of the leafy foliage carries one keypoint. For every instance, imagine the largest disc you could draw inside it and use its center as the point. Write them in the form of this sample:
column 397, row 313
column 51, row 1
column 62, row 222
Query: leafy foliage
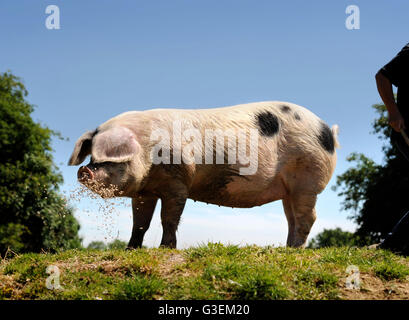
column 117, row 244
column 376, row 194
column 33, row 215
column 334, row 238
column 100, row 245
column 96, row 245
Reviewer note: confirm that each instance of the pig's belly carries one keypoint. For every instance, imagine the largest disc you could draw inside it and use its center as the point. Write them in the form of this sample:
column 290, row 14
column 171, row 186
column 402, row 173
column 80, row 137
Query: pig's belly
column 239, row 193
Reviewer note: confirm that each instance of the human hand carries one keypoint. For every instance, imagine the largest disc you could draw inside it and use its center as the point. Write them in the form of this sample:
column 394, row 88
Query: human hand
column 396, row 122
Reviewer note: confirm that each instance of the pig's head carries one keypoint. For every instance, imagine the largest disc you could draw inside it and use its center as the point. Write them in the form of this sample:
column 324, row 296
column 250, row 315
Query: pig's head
column 115, row 168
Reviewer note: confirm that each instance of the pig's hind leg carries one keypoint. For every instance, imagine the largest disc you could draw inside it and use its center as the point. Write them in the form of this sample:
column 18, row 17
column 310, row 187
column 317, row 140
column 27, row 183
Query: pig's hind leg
column 290, row 220
column 142, row 210
column 304, row 215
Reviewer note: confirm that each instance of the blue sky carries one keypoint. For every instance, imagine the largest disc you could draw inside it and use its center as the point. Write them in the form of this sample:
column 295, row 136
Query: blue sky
column 114, row 56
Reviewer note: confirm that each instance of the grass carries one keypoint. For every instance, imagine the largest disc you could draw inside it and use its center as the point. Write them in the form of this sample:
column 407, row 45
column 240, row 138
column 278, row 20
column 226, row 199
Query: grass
column 209, row 271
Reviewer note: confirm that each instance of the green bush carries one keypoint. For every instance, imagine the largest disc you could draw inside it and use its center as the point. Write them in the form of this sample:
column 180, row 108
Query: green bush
column 33, row 215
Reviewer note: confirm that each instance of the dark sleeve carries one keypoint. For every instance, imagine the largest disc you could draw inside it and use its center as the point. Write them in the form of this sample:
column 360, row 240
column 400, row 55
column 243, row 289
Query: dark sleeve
column 397, row 70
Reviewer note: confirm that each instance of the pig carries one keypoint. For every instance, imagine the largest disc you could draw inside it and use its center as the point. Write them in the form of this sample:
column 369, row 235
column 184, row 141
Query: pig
column 294, row 160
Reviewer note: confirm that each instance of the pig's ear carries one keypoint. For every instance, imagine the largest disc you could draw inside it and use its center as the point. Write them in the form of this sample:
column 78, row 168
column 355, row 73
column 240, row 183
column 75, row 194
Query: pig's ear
column 82, row 149
column 117, row 144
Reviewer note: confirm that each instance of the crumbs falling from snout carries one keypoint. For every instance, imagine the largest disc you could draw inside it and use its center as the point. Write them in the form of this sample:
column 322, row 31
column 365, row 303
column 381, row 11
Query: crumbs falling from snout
column 326, row 138
column 103, row 214
column 268, row 123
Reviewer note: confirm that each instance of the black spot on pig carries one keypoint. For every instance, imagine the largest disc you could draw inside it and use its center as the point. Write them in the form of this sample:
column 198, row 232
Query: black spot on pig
column 297, row 116
column 326, row 138
column 268, row 123
column 285, row 108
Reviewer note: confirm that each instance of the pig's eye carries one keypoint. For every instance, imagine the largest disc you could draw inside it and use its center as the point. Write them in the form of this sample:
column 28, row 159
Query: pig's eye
column 105, row 164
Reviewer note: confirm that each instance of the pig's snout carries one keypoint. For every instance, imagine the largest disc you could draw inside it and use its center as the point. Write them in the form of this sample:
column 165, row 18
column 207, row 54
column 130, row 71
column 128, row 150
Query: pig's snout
column 85, row 174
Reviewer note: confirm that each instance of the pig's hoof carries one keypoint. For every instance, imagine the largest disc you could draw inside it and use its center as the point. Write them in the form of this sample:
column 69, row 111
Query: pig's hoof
column 168, row 246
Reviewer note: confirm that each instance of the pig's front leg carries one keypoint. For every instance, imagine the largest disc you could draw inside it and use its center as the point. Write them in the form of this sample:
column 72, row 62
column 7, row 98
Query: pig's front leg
column 172, row 208
column 142, row 210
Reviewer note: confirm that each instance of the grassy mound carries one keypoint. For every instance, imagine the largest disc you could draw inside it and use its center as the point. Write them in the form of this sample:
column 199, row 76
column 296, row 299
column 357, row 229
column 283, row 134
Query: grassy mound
column 211, row 271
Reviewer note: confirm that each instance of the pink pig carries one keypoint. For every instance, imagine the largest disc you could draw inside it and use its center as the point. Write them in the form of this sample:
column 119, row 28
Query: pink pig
column 168, row 154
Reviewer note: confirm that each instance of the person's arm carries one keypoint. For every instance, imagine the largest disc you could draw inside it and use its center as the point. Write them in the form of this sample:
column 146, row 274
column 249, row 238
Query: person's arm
column 385, row 91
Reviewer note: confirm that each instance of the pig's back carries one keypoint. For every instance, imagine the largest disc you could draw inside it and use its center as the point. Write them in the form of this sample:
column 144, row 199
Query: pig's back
column 259, row 115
